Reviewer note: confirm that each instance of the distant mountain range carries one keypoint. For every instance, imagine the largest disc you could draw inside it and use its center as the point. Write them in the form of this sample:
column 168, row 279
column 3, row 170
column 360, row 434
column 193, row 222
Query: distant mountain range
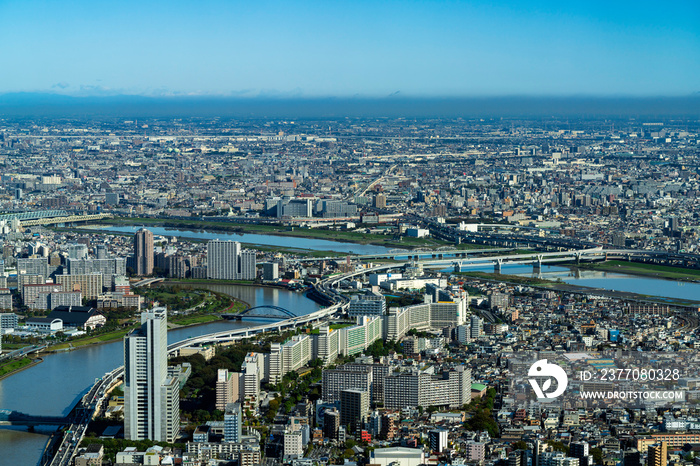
column 27, row 104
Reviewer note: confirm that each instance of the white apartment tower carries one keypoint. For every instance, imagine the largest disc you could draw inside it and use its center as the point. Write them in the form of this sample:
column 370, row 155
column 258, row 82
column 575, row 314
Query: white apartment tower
column 227, row 261
column 151, row 398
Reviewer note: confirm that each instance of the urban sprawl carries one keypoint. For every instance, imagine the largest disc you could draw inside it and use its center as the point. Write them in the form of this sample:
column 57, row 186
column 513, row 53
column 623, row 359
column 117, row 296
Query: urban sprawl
column 413, row 358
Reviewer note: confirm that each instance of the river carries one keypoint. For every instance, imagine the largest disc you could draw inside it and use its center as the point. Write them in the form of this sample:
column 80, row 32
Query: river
column 54, row 386
column 671, row 289
column 262, row 240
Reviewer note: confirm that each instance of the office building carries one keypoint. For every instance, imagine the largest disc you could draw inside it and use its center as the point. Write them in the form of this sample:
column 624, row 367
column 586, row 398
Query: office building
column 151, row 398
column 111, row 198
column 226, row 261
column 294, row 208
column 143, row 252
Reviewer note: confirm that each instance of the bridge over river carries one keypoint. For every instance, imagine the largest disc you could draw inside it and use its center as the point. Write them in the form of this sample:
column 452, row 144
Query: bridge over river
column 15, row 418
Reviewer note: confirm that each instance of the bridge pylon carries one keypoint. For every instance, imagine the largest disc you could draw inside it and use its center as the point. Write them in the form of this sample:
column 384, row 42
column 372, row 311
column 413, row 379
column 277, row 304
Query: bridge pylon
column 537, row 264
column 497, row 266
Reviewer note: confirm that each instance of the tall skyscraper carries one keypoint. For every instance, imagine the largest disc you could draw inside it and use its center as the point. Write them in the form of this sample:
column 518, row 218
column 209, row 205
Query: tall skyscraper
column 143, row 252
column 151, row 398
column 227, row 261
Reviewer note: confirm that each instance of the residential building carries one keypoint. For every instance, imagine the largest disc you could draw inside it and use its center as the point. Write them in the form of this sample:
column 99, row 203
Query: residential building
column 90, row 284
column 227, row 261
column 325, row 344
column 438, row 440
column 226, row 388
column 143, row 252
column 354, row 406
column 657, row 454
column 232, row 422
column 151, row 398
column 371, row 304
column 336, row 380
column 288, row 356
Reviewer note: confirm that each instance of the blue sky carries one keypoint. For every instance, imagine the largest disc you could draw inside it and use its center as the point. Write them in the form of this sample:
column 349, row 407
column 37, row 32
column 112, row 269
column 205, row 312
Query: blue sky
column 349, row 48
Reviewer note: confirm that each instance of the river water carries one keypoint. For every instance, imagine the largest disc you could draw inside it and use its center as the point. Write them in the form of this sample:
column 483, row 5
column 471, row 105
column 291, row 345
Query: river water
column 263, row 240
column 604, row 280
column 54, row 386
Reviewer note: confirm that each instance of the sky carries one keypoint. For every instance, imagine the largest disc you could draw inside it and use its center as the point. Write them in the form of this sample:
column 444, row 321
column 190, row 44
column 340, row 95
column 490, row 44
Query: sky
column 337, row 48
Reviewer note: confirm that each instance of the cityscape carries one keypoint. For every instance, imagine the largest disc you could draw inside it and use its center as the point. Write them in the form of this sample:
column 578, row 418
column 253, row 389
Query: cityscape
column 350, row 233
column 428, row 287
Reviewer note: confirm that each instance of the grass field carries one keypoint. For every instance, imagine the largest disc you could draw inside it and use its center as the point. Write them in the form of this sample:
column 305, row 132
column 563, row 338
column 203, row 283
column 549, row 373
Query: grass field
column 196, row 319
column 508, row 278
column 14, row 365
column 88, row 340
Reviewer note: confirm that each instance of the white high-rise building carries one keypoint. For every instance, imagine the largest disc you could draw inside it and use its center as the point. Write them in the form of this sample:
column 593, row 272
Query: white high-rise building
column 288, row 356
column 227, row 261
column 151, row 398
column 477, row 327
column 232, row 423
column 252, row 373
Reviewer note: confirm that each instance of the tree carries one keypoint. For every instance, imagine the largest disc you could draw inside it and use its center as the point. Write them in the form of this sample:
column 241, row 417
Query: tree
column 519, row 445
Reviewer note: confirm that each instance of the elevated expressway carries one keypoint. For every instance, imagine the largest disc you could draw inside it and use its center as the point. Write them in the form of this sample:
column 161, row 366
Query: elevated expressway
column 49, row 217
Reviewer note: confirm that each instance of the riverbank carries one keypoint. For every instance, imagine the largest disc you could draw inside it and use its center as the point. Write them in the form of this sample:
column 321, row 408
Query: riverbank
column 301, row 252
column 18, row 365
column 643, row 270
column 175, row 322
column 281, row 230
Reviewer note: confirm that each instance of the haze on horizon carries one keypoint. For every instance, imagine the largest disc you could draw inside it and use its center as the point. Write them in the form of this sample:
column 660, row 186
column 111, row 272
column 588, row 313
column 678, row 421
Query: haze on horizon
column 311, row 49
